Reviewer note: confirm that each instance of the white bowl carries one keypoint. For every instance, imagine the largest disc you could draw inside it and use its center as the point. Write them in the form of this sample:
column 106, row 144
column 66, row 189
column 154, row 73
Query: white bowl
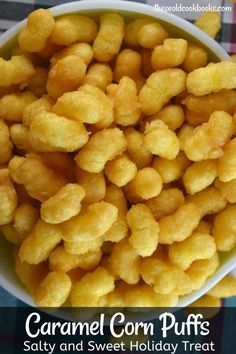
column 178, row 28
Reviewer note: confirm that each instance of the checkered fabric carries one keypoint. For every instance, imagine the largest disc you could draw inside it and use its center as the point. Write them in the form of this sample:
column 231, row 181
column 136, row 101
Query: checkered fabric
column 12, row 11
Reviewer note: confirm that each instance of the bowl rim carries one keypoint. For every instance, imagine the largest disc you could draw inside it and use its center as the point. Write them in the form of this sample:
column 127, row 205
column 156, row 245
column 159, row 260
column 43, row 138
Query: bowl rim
column 134, row 8
column 131, row 7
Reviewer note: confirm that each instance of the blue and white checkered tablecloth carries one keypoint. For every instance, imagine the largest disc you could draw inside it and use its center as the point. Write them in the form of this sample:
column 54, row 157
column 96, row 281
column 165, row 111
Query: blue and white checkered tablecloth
column 12, row 11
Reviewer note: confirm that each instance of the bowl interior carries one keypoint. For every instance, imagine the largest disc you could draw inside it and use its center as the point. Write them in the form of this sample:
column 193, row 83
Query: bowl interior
column 177, row 27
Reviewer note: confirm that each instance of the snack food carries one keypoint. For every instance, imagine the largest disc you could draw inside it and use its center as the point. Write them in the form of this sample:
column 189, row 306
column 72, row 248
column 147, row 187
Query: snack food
column 113, row 159
column 209, row 22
